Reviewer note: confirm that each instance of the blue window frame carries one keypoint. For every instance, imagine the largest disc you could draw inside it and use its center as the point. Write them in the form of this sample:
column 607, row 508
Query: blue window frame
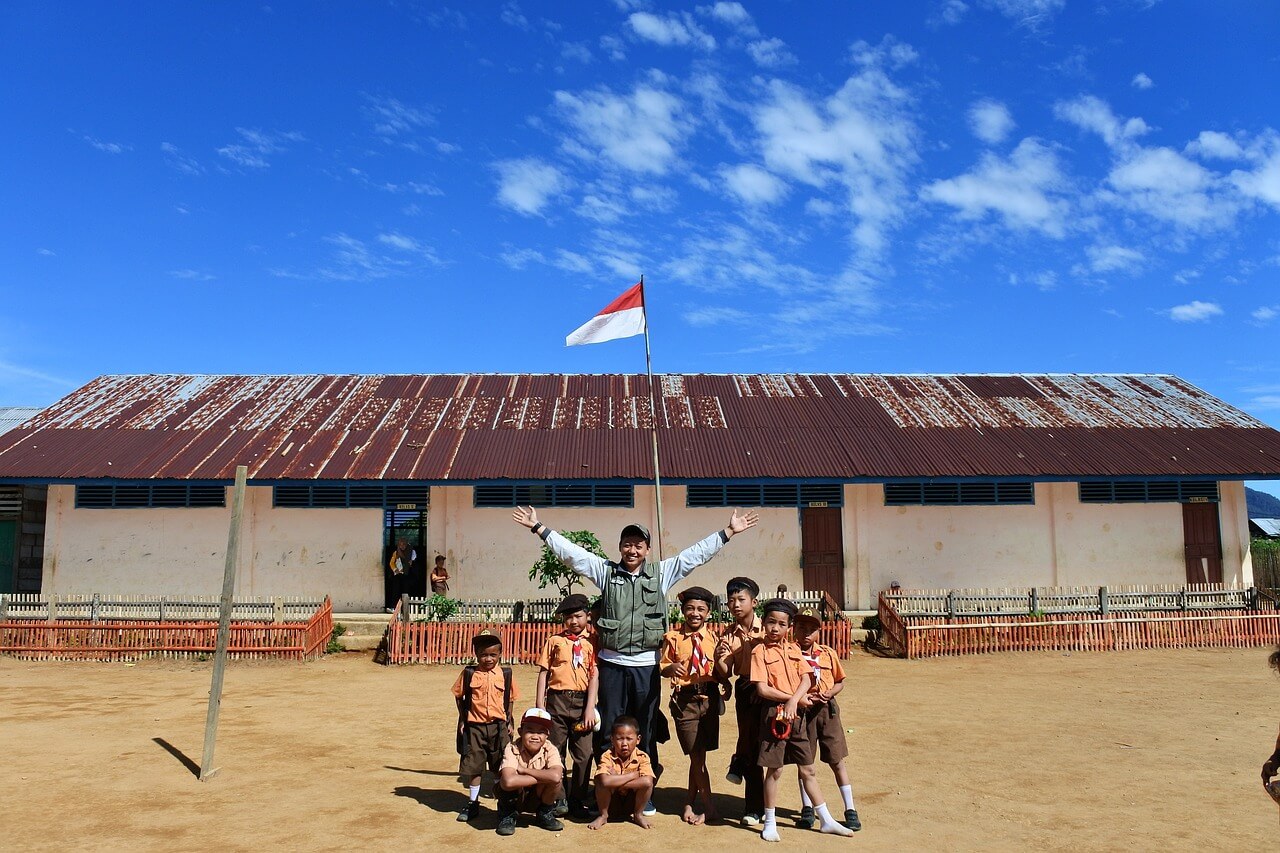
column 763, row 494
column 959, row 493
column 146, row 495
column 349, row 495
column 555, row 494
column 1149, row 491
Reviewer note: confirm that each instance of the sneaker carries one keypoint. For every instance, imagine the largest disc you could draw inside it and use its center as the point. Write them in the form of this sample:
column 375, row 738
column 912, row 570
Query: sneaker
column 805, row 821
column 649, row 809
column 561, row 807
column 750, row 819
column 470, row 812
column 851, row 819
column 546, row 818
column 507, row 823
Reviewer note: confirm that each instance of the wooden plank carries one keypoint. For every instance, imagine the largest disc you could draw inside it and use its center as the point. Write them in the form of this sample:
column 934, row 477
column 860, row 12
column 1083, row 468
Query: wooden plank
column 207, row 770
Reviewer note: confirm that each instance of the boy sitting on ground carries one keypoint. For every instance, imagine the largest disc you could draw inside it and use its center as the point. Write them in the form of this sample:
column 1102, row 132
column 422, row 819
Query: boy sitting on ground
column 484, row 694
column 688, row 659
column 782, row 682
column 530, row 776
column 624, row 781
column 567, row 687
column 822, row 721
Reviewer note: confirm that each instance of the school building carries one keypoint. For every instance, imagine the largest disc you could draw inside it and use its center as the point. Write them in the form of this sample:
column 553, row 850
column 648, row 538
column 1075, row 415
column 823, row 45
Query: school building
column 861, row 481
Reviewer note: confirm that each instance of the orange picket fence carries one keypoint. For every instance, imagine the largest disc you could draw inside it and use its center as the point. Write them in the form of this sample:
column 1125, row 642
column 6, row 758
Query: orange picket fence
column 123, row 639
column 933, row 636
column 450, row 642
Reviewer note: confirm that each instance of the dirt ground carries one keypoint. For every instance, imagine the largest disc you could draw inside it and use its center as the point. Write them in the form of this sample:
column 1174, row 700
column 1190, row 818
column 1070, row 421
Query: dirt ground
column 1046, row 751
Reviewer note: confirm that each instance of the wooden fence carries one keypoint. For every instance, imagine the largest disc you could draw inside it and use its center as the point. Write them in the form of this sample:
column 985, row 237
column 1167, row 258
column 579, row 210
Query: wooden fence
column 450, row 642
column 131, row 639
column 158, row 608
column 1210, row 617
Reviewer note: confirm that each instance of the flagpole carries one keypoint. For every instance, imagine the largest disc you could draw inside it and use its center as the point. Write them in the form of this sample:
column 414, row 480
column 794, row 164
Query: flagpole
column 648, row 366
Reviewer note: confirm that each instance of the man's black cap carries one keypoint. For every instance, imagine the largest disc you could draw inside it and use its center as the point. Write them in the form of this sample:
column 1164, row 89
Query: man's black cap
column 635, row 530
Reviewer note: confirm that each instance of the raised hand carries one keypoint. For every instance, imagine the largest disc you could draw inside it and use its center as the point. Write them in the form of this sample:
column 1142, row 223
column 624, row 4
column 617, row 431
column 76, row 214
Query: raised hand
column 746, row 521
column 525, row 516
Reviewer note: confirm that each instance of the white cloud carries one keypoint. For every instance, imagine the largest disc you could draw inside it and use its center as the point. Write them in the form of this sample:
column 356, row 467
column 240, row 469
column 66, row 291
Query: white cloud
column 1021, row 190
column 753, row 185
column 770, row 53
column 1103, row 259
column 673, row 30
column 614, row 47
column 392, row 117
column 1263, row 182
column 990, row 121
column 404, row 243
column 1212, row 144
column 527, row 185
column 174, row 158
column 949, row 13
column 716, row 316
column 605, row 209
column 1091, row 113
column 1194, row 312
column 192, row 275
column 48, row 253
column 1265, row 314
column 576, row 51
column 1141, row 81
column 256, row 146
column 108, row 147
column 1166, row 186
column 513, row 17
column 734, row 15
column 1028, row 13
column 639, row 132
column 518, row 259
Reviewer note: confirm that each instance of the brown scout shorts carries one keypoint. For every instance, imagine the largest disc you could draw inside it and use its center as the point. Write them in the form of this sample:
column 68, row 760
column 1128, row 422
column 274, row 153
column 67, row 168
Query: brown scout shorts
column 696, row 712
column 797, row 749
column 824, row 727
column 483, row 744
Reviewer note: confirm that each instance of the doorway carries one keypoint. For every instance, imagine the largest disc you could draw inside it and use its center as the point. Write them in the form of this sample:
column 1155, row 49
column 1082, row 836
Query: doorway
column 8, row 554
column 822, row 550
column 1202, row 542
column 407, row 522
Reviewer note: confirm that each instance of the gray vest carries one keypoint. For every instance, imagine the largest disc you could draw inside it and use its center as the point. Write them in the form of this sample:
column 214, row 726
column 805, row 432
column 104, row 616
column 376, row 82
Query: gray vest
column 634, row 616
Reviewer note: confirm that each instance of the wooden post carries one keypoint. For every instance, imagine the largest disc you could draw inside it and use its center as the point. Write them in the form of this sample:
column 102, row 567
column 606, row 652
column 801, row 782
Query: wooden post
column 405, row 621
column 95, row 607
column 207, row 770
column 52, row 608
column 277, row 610
column 1102, row 600
column 1035, row 602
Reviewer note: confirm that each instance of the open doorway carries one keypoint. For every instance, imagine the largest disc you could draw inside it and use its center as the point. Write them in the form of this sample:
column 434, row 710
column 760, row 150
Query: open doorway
column 410, row 525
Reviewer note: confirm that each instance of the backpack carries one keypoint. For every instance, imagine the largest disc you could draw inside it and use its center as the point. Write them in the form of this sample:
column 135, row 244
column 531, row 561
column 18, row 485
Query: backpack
column 464, row 704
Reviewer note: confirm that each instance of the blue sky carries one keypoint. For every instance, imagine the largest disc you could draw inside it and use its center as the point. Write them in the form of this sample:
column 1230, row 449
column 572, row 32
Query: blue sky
column 941, row 186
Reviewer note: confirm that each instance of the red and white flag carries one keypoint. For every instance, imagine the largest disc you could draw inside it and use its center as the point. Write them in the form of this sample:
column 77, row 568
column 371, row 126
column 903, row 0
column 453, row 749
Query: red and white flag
column 621, row 318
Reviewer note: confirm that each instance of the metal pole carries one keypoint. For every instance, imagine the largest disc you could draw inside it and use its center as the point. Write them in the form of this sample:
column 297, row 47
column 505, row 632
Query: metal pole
column 653, row 408
column 207, row 770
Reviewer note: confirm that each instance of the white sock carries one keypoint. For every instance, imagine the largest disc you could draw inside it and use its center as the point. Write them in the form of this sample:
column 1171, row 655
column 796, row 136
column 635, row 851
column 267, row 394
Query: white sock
column 475, row 793
column 846, row 791
column 804, row 796
column 829, row 824
column 770, row 831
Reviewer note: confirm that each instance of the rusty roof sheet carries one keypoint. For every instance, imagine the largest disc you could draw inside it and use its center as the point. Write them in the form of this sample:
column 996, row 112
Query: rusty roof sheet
column 517, row 426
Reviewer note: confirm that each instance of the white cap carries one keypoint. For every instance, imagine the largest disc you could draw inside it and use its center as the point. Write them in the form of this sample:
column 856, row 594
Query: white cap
column 537, row 718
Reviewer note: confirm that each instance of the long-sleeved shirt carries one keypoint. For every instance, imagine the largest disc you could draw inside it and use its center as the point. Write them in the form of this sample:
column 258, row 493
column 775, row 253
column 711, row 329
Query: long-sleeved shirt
column 598, row 570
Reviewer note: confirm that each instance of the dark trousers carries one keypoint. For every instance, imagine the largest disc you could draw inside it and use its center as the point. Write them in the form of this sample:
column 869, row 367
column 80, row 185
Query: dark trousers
column 565, row 708
column 629, row 691
column 744, row 762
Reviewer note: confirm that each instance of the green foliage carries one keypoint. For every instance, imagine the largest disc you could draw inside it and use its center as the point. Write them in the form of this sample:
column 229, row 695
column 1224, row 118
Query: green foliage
column 333, row 646
column 549, row 571
column 872, row 622
column 441, row 607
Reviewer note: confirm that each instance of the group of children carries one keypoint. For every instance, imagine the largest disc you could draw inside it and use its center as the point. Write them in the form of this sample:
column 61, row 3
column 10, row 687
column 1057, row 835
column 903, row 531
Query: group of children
column 784, row 691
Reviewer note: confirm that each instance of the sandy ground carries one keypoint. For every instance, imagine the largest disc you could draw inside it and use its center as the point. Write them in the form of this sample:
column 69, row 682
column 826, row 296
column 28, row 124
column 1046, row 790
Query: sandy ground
column 1046, row 751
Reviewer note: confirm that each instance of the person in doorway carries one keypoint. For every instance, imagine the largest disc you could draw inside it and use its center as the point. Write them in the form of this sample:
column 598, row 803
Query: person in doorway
column 633, row 617
column 439, row 577
column 398, row 568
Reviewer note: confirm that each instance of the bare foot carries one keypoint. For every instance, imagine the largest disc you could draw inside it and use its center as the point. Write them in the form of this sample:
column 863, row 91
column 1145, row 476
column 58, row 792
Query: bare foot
column 691, row 817
column 641, row 821
column 598, row 822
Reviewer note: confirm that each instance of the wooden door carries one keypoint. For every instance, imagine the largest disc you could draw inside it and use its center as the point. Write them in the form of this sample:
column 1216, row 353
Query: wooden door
column 8, row 550
column 822, row 550
column 1203, row 543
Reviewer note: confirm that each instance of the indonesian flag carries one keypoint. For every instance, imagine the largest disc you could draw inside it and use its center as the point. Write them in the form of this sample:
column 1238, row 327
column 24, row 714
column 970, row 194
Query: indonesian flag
column 621, row 318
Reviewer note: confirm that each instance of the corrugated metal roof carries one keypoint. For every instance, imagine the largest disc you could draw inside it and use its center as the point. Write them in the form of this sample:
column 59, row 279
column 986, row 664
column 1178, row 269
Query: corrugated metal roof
column 12, row 416
column 1269, row 526
column 480, row 427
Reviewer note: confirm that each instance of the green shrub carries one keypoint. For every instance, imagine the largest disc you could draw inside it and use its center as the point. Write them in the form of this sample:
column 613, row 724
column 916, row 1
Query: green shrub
column 333, row 646
column 872, row 622
column 549, row 571
column 440, row 607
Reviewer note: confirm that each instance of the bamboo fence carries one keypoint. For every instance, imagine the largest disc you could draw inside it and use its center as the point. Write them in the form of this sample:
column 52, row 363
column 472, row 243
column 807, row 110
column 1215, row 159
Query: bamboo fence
column 1199, row 625
column 126, row 639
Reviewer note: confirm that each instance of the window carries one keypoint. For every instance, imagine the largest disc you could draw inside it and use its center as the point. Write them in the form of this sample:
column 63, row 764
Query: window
column 1149, row 491
column 959, row 493
column 763, row 494
column 349, row 495
column 555, row 494
column 149, row 495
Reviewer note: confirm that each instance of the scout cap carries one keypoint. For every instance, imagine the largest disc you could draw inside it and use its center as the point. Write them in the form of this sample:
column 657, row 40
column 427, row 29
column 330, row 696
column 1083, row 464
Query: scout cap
column 698, row 593
column 573, row 603
column 536, row 719
column 485, row 640
column 738, row 584
column 781, row 605
column 806, row 621
column 635, row 530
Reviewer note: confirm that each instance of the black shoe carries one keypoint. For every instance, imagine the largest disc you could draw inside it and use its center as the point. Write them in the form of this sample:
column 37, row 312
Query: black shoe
column 562, row 807
column 851, row 819
column 805, row 821
column 507, row 823
column 579, row 810
column 546, row 818
column 470, row 812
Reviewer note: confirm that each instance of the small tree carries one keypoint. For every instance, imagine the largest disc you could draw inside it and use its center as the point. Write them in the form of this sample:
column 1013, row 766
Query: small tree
column 549, row 571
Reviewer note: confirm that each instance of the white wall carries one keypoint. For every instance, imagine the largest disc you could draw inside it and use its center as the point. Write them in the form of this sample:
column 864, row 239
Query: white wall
column 304, row 552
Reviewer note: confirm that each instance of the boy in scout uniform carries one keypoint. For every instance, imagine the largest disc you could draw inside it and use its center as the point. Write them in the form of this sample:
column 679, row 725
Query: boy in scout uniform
column 567, row 686
column 530, row 776
column 733, row 657
column 484, row 693
column 688, row 659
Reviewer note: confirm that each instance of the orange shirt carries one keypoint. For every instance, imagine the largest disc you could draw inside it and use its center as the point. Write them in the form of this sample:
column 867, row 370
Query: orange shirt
column 546, row 758
column 488, row 695
column 829, row 666
column 612, row 765
column 736, row 646
column 780, row 665
column 557, row 659
column 677, row 647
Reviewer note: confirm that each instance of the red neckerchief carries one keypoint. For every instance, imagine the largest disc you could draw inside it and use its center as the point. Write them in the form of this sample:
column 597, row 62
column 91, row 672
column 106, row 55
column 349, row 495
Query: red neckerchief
column 701, row 664
column 576, row 639
column 815, row 663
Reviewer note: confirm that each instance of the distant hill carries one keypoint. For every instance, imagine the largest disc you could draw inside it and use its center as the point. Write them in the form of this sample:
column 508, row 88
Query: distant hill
column 1261, row 504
